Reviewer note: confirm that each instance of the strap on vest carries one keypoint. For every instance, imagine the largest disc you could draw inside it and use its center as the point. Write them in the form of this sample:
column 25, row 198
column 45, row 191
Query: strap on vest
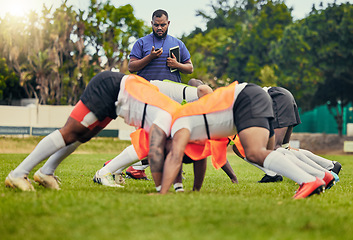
column 184, row 92
column 143, row 116
column 206, row 125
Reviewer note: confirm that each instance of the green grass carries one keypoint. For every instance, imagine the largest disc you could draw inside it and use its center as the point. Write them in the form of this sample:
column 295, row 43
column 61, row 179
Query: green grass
column 222, row 210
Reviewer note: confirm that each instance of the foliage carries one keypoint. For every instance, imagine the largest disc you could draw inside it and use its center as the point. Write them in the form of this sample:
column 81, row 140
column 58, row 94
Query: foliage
column 9, row 82
column 245, row 32
column 55, row 54
column 314, row 59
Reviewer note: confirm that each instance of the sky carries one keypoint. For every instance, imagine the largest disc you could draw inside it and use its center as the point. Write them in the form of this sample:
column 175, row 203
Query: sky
column 182, row 13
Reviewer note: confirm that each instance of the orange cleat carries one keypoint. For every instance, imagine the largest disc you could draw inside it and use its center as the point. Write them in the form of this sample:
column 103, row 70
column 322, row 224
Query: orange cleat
column 310, row 188
column 136, row 174
column 329, row 180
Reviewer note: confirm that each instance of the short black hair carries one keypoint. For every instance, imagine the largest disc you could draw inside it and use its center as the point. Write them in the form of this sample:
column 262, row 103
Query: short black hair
column 158, row 13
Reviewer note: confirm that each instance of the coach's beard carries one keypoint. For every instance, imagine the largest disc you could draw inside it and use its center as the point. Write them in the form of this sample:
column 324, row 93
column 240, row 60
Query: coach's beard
column 160, row 37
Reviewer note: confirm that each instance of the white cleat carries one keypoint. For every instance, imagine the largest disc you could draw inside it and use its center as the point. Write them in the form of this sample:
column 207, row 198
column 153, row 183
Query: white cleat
column 47, row 181
column 119, row 179
column 21, row 183
column 106, row 180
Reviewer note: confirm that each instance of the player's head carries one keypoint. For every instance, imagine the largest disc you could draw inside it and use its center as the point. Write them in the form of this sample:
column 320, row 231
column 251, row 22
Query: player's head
column 160, row 23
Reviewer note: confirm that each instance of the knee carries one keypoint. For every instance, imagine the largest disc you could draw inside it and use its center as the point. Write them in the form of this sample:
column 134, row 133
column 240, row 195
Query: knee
column 256, row 156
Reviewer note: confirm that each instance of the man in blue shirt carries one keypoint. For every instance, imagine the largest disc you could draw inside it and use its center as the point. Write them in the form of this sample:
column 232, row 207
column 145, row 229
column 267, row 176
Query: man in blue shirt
column 150, row 58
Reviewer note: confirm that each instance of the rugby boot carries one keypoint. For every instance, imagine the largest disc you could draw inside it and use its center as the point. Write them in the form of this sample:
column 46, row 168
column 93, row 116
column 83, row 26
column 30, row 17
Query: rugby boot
column 47, row 181
column 268, row 178
column 21, row 183
column 136, row 174
column 310, row 188
column 329, row 180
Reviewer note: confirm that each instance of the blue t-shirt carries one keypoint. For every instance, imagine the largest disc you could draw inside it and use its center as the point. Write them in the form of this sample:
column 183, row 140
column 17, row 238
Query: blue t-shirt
column 157, row 69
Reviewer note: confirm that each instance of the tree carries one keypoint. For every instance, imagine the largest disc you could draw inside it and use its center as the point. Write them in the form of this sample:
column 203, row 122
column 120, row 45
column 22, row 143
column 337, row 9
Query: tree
column 248, row 27
column 9, row 83
column 109, row 31
column 317, row 55
column 55, row 54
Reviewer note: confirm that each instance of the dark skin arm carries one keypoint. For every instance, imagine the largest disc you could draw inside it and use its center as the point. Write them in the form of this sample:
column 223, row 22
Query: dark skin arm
column 185, row 67
column 136, row 64
column 157, row 138
column 174, row 159
column 230, row 172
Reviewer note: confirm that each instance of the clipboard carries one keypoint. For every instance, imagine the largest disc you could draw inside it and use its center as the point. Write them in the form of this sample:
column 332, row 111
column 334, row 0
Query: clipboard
column 176, row 51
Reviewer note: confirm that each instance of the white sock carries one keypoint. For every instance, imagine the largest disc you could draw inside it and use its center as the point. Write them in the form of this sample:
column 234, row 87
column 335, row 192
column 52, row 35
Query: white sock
column 303, row 165
column 46, row 147
column 54, row 160
column 178, row 187
column 323, row 162
column 266, row 171
column 120, row 170
column 140, row 167
column 279, row 163
column 301, row 156
column 127, row 157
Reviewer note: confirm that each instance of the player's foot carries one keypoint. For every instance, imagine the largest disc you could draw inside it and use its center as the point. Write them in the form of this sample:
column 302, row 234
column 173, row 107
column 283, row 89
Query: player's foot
column 106, row 180
column 136, row 174
column 310, row 188
column 178, row 187
column 329, row 180
column 21, row 183
column 336, row 167
column 268, row 178
column 337, row 178
column 47, row 181
column 119, row 178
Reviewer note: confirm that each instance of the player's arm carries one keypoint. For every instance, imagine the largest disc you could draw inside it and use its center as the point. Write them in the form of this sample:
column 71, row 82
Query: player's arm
column 174, row 158
column 157, row 139
column 227, row 168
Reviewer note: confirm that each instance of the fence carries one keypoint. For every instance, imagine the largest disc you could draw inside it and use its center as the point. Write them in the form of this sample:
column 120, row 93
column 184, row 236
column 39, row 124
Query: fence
column 40, row 120
column 319, row 120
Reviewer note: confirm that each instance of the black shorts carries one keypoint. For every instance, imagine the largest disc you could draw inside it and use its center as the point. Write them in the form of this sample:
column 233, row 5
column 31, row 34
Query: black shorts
column 101, row 94
column 253, row 108
column 284, row 107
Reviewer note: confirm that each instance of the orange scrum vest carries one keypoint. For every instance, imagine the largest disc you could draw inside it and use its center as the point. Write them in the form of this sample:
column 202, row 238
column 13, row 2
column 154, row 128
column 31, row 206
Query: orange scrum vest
column 236, row 141
column 144, row 91
column 221, row 99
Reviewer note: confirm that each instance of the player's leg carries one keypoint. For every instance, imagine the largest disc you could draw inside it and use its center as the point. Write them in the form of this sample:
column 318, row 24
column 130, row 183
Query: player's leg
column 199, row 173
column 269, row 176
column 127, row 157
column 254, row 141
column 45, row 148
column 325, row 163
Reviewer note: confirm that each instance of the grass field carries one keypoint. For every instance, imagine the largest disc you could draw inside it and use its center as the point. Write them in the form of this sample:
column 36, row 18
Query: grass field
column 222, row 210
